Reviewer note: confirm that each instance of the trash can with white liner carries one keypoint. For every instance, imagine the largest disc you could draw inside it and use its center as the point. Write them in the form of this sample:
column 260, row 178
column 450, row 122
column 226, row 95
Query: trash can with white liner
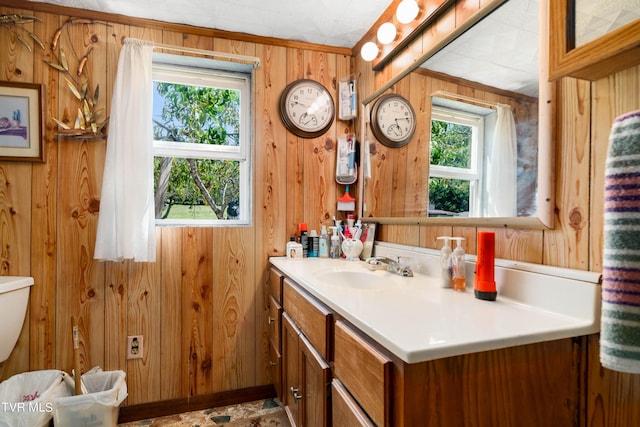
column 26, row 398
column 98, row 406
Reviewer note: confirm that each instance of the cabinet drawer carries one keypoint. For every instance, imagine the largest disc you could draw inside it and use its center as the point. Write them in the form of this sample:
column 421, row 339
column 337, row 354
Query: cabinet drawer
column 345, row 411
column 274, row 320
column 275, row 284
column 365, row 371
column 275, row 369
column 313, row 318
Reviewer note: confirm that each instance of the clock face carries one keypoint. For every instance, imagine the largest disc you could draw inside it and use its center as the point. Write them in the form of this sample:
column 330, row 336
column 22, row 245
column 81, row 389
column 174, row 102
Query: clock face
column 306, row 108
column 393, row 120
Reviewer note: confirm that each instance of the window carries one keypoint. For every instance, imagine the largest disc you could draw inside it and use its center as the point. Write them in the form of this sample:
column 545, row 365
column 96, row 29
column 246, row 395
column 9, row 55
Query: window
column 201, row 126
column 455, row 172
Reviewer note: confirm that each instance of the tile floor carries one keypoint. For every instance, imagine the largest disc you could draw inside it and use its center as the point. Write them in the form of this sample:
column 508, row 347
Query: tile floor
column 260, row 413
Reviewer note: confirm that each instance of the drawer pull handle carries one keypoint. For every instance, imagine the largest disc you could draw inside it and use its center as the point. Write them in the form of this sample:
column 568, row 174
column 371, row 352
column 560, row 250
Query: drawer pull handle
column 270, row 320
column 294, row 393
column 272, row 363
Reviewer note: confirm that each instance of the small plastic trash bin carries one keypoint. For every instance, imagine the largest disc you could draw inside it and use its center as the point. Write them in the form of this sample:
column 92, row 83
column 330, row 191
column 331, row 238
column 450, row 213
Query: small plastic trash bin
column 26, row 399
column 98, row 406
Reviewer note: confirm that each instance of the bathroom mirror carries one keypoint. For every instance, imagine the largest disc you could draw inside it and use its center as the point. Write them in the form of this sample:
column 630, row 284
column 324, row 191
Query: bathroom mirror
column 593, row 19
column 497, row 62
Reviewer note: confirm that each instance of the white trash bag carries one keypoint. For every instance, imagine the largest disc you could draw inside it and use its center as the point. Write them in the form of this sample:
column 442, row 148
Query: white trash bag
column 26, row 399
column 99, row 405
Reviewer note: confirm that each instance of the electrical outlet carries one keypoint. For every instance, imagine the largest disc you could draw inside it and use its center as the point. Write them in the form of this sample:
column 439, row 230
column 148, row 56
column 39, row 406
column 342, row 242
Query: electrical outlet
column 134, row 347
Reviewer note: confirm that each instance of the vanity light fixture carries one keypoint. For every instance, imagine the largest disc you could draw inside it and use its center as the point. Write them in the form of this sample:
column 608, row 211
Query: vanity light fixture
column 387, row 33
column 407, row 11
column 369, row 51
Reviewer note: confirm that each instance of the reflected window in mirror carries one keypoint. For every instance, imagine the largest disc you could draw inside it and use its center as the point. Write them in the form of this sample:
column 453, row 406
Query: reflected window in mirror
column 456, row 153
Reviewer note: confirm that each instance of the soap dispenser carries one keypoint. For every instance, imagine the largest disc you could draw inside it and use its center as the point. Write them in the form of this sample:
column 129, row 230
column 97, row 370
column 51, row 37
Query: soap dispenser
column 446, row 266
column 458, row 277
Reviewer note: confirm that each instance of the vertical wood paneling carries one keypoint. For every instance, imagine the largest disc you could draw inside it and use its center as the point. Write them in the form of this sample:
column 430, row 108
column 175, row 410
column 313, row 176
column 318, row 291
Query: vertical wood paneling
column 143, row 316
column 568, row 244
column 270, row 195
column 295, row 147
column 173, row 360
column 234, row 318
column 197, row 322
column 43, row 216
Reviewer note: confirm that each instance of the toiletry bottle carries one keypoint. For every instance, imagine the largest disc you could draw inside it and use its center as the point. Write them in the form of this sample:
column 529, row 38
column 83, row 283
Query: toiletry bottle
column 304, row 239
column 484, row 284
column 294, row 249
column 313, row 244
column 446, row 267
column 458, row 278
column 334, row 247
column 323, row 243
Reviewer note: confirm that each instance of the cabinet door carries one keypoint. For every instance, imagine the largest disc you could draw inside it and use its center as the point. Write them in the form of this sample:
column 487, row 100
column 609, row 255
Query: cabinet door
column 291, row 386
column 275, row 369
column 315, row 377
column 274, row 319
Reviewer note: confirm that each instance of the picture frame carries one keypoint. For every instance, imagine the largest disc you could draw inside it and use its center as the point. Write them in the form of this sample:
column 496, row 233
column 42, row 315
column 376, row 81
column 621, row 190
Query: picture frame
column 21, row 122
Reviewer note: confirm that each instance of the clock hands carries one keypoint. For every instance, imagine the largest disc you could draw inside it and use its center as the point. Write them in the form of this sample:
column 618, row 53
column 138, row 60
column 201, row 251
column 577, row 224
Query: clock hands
column 306, row 119
column 395, row 129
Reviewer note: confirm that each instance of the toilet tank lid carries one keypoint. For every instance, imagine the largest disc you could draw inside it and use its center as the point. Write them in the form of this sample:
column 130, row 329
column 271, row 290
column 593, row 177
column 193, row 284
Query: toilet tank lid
column 11, row 283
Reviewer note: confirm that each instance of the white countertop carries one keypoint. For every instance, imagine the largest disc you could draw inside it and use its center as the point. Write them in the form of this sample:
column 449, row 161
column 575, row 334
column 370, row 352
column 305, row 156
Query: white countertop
column 417, row 320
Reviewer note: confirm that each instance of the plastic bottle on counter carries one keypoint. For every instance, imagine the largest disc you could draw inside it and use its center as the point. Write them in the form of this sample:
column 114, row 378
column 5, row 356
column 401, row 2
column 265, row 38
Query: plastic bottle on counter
column 323, row 243
column 458, row 276
column 446, row 266
column 313, row 244
column 335, row 251
column 294, row 249
column 304, row 239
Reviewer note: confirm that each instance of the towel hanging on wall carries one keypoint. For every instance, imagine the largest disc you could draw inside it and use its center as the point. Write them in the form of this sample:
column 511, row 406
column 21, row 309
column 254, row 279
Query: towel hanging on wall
column 620, row 320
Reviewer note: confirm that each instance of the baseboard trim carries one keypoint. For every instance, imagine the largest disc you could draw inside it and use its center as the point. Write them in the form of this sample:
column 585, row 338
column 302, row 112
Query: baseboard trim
column 194, row 403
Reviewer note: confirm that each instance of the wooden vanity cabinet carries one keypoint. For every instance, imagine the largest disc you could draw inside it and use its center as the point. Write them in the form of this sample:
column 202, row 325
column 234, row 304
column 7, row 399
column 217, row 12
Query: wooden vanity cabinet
column 306, row 375
column 335, row 374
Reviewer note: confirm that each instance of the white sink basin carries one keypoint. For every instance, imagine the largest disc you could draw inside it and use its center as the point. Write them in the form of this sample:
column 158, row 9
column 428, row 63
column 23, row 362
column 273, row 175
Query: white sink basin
column 360, row 279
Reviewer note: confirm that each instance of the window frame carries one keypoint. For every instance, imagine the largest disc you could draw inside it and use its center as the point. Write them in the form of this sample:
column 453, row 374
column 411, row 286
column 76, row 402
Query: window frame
column 205, row 72
column 473, row 174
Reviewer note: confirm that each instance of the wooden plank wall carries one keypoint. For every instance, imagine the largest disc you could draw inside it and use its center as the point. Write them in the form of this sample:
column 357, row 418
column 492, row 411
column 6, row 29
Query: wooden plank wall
column 584, row 114
column 200, row 307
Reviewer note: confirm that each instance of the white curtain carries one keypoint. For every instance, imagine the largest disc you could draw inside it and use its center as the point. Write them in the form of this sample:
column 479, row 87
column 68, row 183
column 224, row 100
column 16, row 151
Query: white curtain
column 126, row 223
column 501, row 166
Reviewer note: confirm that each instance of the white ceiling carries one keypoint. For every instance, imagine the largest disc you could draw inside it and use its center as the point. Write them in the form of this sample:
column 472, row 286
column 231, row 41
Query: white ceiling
column 329, row 22
column 499, row 51
column 478, row 56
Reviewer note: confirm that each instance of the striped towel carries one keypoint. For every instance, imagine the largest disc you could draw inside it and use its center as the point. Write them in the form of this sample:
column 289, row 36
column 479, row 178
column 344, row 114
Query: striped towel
column 620, row 320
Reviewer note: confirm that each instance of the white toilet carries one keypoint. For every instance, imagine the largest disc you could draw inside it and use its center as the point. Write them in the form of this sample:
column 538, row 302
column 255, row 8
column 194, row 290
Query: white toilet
column 14, row 297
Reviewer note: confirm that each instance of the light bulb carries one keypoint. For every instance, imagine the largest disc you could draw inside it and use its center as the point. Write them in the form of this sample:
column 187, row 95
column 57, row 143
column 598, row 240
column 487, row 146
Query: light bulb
column 407, row 11
column 369, row 51
column 386, row 33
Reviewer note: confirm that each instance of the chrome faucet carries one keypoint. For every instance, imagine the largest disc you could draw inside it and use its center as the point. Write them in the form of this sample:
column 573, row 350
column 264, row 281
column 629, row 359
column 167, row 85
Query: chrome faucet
column 396, row 266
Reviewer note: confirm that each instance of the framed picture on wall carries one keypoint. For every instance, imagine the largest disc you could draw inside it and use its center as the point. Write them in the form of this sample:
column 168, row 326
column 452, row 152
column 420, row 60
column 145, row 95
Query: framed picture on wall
column 21, row 117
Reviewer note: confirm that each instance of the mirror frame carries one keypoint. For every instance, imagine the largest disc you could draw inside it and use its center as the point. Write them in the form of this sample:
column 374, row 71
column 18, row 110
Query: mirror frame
column 545, row 214
column 592, row 60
